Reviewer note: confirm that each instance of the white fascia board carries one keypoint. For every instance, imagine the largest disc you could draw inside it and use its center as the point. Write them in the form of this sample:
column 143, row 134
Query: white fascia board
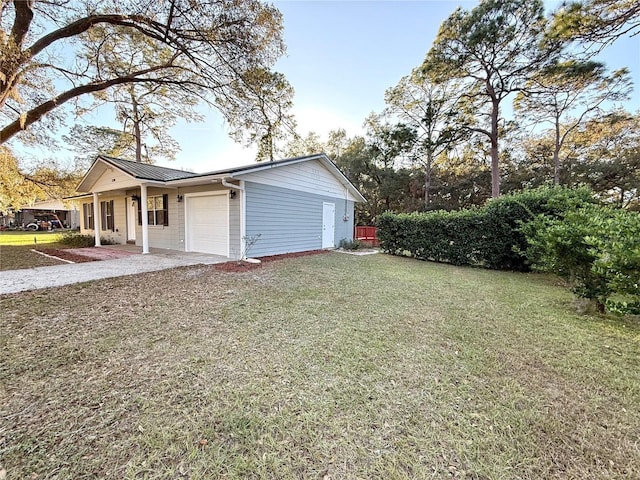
column 192, row 181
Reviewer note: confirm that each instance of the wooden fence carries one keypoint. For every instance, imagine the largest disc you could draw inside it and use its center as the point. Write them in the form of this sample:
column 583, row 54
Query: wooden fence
column 367, row 234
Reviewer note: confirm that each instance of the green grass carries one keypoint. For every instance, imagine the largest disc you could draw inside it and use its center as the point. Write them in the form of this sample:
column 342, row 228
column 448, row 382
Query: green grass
column 30, row 239
column 16, row 246
column 327, row 367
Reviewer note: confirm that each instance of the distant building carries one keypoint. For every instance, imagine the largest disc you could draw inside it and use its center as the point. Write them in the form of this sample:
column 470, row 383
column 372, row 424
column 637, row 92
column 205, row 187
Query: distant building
column 48, row 210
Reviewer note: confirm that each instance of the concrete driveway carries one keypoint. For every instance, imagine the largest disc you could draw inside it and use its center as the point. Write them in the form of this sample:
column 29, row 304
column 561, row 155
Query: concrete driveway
column 12, row 281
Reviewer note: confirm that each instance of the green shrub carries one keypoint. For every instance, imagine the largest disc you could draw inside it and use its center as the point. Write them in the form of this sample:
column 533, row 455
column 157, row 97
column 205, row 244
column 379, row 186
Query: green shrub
column 77, row 240
column 505, row 243
column 488, row 236
column 596, row 249
column 346, row 244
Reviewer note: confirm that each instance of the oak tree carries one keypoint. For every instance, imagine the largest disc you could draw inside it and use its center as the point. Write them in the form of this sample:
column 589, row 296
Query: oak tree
column 22, row 185
column 53, row 52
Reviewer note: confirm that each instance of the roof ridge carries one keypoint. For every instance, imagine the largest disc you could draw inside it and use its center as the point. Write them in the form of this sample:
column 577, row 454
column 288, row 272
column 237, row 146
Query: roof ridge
column 151, row 165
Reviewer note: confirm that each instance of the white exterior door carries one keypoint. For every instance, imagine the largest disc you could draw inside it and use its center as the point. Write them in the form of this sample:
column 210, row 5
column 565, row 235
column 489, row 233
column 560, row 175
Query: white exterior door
column 207, row 224
column 131, row 219
column 328, row 225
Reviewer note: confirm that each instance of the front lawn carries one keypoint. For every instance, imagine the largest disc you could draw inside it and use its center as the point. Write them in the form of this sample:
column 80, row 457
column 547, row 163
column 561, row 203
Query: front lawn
column 323, row 367
column 16, row 249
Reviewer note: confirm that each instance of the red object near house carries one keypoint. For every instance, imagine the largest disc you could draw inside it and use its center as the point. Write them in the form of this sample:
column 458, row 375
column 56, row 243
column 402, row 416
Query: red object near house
column 367, row 234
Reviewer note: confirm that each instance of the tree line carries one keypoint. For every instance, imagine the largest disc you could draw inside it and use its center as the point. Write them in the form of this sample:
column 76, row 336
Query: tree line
column 506, row 97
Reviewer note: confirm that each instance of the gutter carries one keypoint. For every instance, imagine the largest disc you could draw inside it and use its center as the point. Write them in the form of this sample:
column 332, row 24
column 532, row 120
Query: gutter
column 224, row 182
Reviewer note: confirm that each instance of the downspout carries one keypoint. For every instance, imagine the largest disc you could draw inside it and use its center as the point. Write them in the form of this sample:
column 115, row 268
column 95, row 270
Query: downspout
column 232, row 185
column 243, row 226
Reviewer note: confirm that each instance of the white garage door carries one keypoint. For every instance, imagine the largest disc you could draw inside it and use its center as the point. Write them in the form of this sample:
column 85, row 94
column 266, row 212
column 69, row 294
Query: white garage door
column 207, row 226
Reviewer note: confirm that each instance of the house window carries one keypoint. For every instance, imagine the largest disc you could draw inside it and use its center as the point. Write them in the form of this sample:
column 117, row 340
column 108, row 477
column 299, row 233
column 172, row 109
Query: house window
column 87, row 215
column 157, row 210
column 106, row 215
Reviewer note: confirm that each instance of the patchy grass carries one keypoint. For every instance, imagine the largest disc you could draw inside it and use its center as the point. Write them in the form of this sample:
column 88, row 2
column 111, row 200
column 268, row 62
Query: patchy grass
column 328, row 366
column 16, row 257
column 16, row 249
column 16, row 246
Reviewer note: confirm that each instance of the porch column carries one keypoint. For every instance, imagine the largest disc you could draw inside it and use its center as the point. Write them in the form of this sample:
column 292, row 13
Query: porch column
column 96, row 218
column 145, row 218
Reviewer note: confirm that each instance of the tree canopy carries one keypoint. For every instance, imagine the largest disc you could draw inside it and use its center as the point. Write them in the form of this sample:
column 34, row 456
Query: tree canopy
column 567, row 94
column 494, row 48
column 433, row 111
column 595, row 22
column 55, row 52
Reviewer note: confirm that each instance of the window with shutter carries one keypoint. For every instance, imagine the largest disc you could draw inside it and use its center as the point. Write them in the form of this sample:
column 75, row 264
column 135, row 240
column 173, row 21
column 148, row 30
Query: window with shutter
column 106, row 214
column 157, row 210
column 87, row 215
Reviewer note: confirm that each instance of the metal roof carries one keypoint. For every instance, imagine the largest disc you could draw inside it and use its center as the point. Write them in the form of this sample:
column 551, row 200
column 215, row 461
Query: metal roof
column 174, row 177
column 145, row 171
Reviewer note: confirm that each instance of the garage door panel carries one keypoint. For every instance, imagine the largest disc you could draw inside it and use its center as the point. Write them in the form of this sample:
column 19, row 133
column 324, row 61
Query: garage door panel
column 208, row 224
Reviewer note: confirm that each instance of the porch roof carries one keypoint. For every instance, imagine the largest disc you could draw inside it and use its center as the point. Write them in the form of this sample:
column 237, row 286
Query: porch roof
column 144, row 171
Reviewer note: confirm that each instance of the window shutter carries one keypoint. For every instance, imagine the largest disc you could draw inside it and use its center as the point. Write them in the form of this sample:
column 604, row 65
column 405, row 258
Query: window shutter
column 85, row 216
column 111, row 219
column 139, row 212
column 103, row 215
column 165, row 209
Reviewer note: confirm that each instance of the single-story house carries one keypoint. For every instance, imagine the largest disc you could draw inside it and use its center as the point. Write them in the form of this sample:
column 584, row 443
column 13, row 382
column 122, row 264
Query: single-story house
column 269, row 208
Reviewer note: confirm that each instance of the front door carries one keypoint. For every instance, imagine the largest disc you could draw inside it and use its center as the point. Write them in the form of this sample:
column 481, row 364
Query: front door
column 328, row 225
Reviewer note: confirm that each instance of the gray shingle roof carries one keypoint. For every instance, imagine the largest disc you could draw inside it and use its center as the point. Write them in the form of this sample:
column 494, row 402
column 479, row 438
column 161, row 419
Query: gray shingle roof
column 147, row 172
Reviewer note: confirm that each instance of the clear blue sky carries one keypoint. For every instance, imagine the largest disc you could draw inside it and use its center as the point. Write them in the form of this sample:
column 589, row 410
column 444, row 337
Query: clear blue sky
column 341, row 57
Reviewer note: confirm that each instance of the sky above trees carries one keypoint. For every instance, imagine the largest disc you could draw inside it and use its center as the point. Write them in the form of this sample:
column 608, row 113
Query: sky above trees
column 341, row 57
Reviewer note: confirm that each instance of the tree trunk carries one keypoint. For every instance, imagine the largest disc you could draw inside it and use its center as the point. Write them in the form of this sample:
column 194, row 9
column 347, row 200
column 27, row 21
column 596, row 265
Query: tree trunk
column 556, row 155
column 13, row 56
column 427, row 180
column 495, row 159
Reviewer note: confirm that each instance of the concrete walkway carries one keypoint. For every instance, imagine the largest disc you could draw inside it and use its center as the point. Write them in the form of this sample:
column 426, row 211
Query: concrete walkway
column 12, row 281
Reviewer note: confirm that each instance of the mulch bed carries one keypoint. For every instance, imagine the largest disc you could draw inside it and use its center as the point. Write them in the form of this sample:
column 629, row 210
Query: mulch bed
column 240, row 266
column 65, row 255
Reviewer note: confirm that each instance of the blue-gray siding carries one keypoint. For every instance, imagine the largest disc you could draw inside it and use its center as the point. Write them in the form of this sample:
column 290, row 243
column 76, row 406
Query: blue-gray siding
column 291, row 220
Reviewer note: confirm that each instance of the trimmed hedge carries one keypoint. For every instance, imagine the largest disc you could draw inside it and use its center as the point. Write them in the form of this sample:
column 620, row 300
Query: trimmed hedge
column 489, row 236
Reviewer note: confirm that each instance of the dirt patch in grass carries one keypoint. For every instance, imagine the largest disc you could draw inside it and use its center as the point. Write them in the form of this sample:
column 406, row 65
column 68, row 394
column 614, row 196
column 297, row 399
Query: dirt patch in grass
column 21, row 257
column 67, row 255
column 329, row 366
column 273, row 258
column 236, row 267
